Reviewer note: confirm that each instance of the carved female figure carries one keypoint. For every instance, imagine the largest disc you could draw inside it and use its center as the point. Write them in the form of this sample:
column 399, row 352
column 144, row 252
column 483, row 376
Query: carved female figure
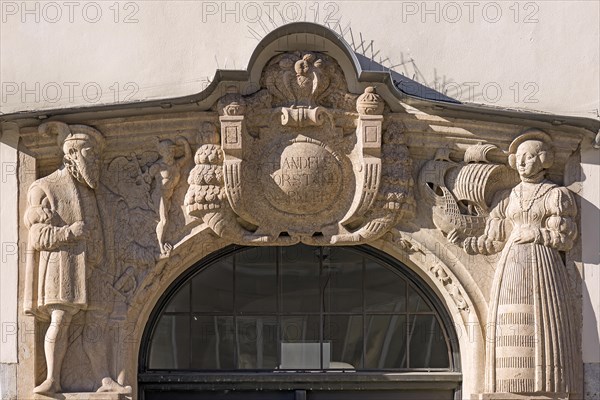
column 529, row 338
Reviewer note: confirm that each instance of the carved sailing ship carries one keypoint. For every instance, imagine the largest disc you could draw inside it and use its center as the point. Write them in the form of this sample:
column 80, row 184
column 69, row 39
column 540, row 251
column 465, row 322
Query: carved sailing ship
column 461, row 194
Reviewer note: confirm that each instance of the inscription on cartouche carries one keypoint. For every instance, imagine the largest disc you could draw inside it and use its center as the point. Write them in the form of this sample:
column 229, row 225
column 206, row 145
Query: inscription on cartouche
column 303, row 178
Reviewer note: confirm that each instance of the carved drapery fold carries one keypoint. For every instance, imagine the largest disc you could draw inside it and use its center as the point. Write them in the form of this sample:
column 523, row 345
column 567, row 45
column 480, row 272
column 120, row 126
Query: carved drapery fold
column 531, row 335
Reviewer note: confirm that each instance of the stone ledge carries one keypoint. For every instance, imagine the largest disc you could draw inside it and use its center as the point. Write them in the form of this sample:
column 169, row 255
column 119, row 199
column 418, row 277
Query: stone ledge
column 83, row 396
column 522, row 396
column 591, row 381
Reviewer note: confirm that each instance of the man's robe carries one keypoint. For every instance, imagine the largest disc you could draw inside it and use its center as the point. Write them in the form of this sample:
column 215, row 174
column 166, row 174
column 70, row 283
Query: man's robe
column 58, row 266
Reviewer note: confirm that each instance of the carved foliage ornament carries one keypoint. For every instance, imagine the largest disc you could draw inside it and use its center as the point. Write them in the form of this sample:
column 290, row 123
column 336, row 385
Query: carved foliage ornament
column 302, row 160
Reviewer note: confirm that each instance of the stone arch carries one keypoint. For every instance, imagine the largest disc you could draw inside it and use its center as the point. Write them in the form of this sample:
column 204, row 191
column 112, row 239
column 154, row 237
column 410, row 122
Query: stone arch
column 466, row 322
column 458, row 292
column 184, row 256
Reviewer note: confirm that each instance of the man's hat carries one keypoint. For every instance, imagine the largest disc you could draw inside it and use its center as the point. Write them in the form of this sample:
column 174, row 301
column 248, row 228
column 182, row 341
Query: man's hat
column 66, row 133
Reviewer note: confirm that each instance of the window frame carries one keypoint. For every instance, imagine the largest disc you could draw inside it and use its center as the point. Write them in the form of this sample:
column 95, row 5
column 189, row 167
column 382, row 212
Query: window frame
column 359, row 379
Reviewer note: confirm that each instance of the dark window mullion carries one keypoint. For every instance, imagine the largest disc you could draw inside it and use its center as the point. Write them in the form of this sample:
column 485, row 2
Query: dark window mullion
column 406, row 286
column 321, row 306
column 278, row 294
column 235, row 325
column 190, row 318
column 451, row 365
column 364, row 313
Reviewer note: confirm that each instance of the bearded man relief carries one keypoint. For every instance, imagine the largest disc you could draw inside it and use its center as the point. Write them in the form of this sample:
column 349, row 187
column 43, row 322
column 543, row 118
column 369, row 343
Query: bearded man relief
column 66, row 269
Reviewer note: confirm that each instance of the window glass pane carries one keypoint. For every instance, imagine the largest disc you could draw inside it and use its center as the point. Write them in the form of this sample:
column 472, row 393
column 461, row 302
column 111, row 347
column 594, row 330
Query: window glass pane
column 385, row 290
column 345, row 335
column 386, row 342
column 300, row 346
column 427, row 343
column 416, row 303
column 213, row 342
column 305, row 355
column 300, row 329
column 212, row 288
column 181, row 301
column 257, row 342
column 300, row 279
column 256, row 280
column 342, row 279
column 170, row 348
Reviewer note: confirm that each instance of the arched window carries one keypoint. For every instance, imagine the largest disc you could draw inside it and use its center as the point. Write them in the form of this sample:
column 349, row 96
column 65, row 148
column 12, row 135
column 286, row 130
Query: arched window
column 297, row 309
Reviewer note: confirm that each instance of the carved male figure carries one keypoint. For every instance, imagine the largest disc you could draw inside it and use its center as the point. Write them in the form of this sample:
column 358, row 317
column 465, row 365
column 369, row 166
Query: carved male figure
column 167, row 173
column 65, row 253
column 530, row 346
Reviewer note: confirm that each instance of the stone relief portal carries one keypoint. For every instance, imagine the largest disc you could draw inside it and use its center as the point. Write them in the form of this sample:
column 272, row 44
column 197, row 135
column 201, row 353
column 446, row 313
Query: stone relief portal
column 302, row 160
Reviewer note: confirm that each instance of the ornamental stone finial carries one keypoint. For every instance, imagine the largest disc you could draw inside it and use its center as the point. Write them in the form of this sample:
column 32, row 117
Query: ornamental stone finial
column 369, row 103
column 232, row 103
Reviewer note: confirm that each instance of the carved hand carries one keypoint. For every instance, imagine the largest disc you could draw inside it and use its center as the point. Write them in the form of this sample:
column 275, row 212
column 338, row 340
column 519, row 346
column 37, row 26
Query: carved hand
column 525, row 235
column 79, row 230
column 470, row 245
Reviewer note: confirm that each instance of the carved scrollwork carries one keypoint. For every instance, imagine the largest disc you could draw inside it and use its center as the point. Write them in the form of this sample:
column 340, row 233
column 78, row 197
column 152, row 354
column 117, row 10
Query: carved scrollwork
column 439, row 272
column 387, row 196
column 303, row 177
column 301, row 116
column 403, row 242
